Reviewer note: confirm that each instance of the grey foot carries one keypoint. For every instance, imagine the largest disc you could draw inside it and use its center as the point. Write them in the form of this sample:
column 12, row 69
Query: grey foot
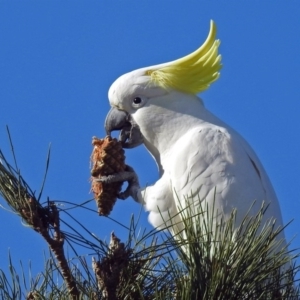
column 128, row 175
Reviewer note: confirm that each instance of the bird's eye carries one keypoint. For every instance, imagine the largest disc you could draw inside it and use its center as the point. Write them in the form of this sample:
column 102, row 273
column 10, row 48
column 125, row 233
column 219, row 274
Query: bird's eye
column 137, row 100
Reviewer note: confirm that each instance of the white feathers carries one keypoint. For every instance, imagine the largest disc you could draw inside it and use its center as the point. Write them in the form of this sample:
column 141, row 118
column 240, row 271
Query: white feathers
column 198, row 155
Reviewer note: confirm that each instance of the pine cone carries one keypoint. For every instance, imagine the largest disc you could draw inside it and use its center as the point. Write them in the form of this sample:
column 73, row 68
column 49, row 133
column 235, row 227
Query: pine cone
column 108, row 158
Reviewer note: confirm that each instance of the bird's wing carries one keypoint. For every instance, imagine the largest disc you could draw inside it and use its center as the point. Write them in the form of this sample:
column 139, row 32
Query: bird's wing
column 215, row 164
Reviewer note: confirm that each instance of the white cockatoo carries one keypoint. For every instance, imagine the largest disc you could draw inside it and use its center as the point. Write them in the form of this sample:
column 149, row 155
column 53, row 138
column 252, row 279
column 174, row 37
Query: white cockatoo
column 200, row 158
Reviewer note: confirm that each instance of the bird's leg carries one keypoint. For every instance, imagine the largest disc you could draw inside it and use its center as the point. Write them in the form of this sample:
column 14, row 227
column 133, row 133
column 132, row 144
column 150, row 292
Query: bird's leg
column 133, row 185
column 122, row 176
column 128, row 175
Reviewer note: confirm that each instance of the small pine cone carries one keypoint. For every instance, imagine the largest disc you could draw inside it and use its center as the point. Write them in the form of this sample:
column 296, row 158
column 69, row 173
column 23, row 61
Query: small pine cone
column 112, row 269
column 108, row 158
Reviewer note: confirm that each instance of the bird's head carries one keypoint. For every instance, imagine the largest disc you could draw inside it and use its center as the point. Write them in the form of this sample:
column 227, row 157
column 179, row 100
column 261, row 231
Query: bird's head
column 145, row 90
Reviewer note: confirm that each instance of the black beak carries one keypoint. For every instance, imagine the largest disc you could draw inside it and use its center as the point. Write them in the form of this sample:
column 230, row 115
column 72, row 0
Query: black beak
column 130, row 134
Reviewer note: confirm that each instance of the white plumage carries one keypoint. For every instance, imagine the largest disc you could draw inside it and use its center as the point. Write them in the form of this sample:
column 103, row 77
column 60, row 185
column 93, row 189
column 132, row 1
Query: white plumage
column 198, row 155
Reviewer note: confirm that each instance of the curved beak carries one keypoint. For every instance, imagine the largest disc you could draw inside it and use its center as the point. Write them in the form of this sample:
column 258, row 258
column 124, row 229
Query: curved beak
column 115, row 120
column 130, row 134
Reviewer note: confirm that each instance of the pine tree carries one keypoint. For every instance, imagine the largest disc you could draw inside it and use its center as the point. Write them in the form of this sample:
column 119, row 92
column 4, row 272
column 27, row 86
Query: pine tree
column 207, row 262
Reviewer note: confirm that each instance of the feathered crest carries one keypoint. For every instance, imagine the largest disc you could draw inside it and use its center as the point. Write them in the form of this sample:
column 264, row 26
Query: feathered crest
column 192, row 73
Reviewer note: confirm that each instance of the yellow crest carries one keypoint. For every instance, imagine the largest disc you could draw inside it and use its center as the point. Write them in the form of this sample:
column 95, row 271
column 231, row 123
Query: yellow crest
column 192, row 73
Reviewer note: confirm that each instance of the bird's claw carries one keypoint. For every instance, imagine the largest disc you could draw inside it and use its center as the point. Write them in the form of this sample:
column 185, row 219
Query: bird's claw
column 128, row 175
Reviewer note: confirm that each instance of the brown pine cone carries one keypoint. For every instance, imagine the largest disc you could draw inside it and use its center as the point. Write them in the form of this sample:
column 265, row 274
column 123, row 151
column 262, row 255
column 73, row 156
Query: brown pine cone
column 108, row 158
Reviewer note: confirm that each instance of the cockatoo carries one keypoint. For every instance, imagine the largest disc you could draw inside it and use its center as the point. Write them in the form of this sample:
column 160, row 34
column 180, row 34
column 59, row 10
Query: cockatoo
column 200, row 158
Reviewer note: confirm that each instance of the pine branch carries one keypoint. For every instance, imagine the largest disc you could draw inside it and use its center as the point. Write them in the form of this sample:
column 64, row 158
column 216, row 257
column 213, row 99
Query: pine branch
column 20, row 198
column 207, row 260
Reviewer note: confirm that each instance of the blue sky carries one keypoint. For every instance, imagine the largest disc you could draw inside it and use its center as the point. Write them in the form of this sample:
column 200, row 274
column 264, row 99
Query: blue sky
column 58, row 59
